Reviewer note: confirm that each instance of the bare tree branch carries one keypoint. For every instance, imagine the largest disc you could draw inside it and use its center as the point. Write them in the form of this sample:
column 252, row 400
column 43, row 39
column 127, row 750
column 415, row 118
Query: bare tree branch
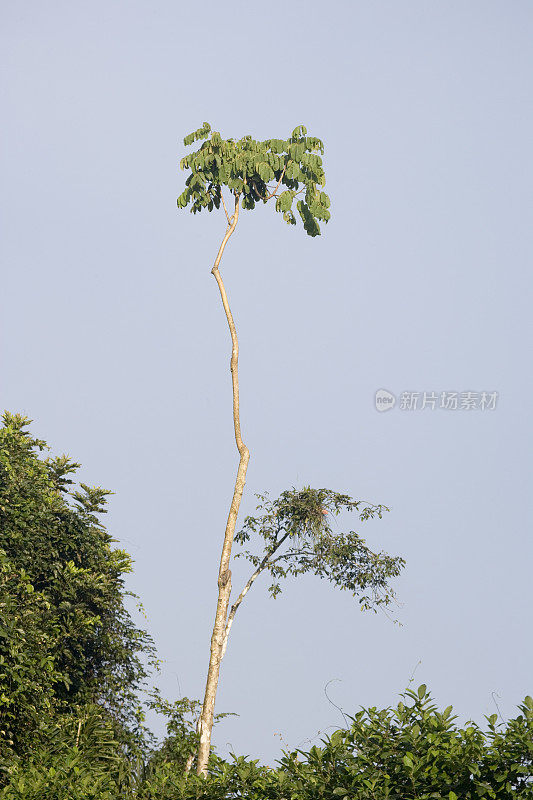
column 262, row 566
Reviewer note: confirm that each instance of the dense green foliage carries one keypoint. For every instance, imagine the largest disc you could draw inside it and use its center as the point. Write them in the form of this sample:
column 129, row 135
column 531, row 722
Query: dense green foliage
column 66, row 638
column 412, row 752
column 298, row 537
column 416, row 751
column 28, row 674
column 76, row 759
column 181, row 741
column 256, row 171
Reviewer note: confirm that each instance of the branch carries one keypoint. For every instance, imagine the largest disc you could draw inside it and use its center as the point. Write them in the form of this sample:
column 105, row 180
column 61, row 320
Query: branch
column 189, row 763
column 258, row 193
column 291, row 553
column 231, row 616
column 277, row 187
column 225, row 209
column 241, row 447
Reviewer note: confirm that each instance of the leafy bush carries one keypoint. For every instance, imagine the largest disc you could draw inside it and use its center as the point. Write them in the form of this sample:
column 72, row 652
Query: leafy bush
column 77, row 759
column 416, row 751
column 412, row 751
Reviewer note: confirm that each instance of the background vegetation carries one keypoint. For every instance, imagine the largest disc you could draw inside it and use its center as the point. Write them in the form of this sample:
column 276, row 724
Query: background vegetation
column 74, row 672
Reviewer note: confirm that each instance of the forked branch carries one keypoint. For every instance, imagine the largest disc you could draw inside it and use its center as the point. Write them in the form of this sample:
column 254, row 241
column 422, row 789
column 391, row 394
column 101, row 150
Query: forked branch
column 279, row 184
column 235, row 607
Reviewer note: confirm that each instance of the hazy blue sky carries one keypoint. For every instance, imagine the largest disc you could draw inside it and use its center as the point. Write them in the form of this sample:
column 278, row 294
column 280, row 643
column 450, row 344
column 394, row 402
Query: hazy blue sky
column 114, row 340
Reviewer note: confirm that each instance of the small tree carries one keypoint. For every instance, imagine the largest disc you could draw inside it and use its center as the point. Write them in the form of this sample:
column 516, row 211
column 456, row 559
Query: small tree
column 298, row 538
column 253, row 172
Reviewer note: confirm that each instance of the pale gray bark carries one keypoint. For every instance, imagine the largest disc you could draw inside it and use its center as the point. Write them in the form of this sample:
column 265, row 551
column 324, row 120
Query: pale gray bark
column 235, row 607
column 224, row 575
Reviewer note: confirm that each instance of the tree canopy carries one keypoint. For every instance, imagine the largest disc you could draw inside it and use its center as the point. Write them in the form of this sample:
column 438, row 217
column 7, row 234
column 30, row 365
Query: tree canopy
column 298, row 537
column 66, row 638
column 256, row 170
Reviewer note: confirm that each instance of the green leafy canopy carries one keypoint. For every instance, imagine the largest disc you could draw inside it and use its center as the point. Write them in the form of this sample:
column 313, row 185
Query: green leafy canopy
column 66, row 636
column 280, row 169
column 298, row 537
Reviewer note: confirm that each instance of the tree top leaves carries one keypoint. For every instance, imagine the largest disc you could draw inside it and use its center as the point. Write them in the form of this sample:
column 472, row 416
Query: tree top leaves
column 258, row 171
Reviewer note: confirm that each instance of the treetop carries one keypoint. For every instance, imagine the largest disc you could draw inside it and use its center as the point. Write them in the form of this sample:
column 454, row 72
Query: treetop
column 258, row 171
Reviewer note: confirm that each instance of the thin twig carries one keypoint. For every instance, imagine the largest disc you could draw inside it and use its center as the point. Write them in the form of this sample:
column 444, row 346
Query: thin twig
column 411, row 679
column 331, row 701
column 277, row 187
column 78, row 733
column 291, row 553
column 494, row 695
column 258, row 193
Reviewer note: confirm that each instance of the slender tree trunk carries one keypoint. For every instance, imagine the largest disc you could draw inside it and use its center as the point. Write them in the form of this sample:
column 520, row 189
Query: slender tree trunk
column 224, row 574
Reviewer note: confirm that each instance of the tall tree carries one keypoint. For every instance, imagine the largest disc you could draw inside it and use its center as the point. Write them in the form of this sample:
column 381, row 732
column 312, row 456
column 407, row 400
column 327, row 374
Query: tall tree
column 252, row 172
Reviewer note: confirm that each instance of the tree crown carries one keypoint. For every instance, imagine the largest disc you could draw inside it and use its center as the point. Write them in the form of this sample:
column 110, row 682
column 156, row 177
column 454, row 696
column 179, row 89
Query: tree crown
column 248, row 168
column 298, row 537
column 66, row 584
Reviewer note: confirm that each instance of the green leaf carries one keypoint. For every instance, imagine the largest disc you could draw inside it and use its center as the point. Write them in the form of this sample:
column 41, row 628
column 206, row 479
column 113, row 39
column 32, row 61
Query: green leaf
column 309, row 222
column 285, row 200
column 301, row 130
column 289, row 218
column 422, row 689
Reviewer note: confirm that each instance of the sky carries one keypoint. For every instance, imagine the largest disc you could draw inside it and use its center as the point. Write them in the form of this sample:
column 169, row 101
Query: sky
column 114, row 340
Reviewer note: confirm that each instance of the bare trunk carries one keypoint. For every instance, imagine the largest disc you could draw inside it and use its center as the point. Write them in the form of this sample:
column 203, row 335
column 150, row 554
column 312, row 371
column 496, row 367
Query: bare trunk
column 224, row 574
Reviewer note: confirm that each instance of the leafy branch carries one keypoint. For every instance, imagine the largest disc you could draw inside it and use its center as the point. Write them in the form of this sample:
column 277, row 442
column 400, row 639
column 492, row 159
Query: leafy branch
column 300, row 519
